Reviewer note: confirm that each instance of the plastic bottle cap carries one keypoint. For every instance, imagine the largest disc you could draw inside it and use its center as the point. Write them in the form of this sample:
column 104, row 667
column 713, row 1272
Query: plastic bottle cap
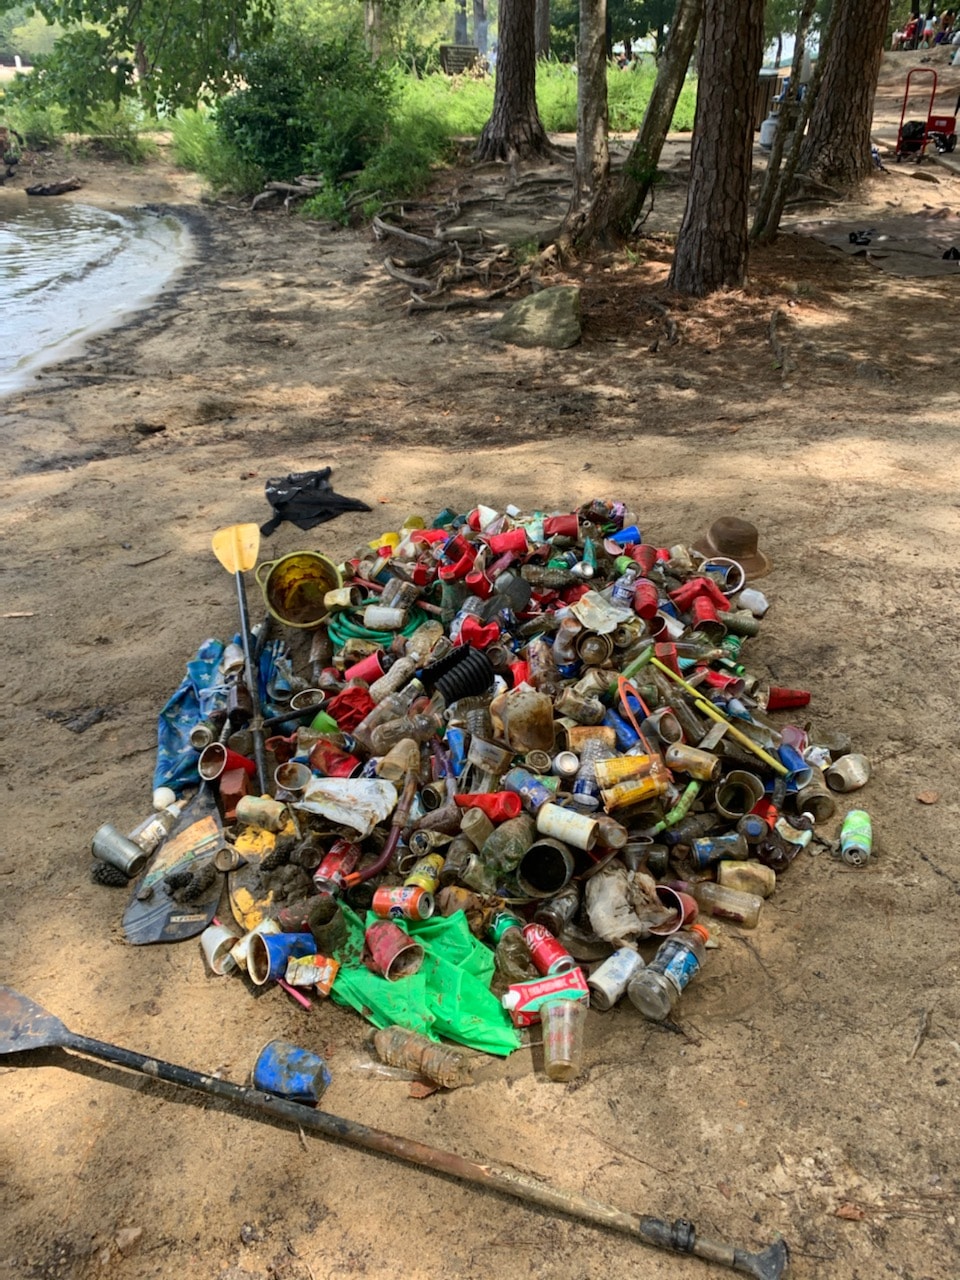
column 164, row 797
column 702, row 930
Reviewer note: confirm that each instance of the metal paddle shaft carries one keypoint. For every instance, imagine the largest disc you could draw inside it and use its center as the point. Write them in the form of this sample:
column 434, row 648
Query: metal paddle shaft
column 25, row 1026
column 236, row 548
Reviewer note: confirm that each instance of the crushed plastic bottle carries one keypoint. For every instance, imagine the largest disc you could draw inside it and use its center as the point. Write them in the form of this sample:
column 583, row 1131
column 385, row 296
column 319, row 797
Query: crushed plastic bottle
column 399, row 1047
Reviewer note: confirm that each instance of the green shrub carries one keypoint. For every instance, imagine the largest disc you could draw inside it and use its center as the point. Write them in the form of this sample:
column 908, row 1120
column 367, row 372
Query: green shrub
column 40, row 126
column 115, row 132
column 307, row 107
column 198, row 145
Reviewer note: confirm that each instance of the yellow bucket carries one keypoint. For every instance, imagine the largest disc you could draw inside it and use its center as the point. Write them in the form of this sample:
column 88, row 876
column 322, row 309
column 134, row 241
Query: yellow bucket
column 295, row 585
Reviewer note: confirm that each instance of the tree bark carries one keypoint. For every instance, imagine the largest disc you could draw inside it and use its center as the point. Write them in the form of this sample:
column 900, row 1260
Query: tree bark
column 837, row 146
column 480, row 25
column 762, row 228
column 711, row 249
column 593, row 155
column 618, row 200
column 373, row 27
column 542, row 21
column 460, row 22
column 514, row 130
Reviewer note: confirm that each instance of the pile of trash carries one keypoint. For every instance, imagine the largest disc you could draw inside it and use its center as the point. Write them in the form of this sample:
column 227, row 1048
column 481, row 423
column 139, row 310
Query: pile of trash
column 480, row 771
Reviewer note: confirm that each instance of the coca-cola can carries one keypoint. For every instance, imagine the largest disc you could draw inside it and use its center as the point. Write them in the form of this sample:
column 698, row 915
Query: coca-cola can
column 548, row 955
column 402, row 902
column 341, row 858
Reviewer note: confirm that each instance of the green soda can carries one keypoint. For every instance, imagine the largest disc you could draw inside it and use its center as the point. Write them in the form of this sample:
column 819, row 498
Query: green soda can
column 856, row 838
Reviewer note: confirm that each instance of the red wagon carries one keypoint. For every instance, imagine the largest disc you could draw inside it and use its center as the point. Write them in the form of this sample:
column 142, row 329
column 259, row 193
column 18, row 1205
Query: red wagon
column 914, row 136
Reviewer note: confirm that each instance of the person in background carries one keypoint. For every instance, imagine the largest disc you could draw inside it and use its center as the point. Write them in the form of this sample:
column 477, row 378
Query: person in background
column 904, row 39
column 945, row 27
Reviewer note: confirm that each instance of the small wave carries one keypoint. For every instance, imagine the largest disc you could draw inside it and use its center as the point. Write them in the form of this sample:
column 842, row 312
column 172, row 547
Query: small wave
column 69, row 271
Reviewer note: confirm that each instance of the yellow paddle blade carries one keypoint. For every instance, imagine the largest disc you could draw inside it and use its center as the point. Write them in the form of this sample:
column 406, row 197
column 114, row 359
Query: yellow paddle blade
column 237, row 547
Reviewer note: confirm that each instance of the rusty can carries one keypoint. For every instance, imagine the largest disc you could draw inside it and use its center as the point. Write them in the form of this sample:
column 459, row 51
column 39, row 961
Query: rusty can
column 339, row 860
column 426, row 875
column 402, row 902
column 548, row 955
column 692, row 761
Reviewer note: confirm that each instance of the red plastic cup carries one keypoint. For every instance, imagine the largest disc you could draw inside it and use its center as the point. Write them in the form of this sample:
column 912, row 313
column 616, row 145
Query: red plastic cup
column 685, row 906
column 645, row 599
column 217, row 759
column 368, row 669
column 514, row 541
column 732, row 685
column 479, row 584
column 667, row 653
column 520, row 671
column 779, row 699
column 460, row 568
column 704, row 617
column 328, row 759
column 644, row 555
column 561, row 526
column 499, row 806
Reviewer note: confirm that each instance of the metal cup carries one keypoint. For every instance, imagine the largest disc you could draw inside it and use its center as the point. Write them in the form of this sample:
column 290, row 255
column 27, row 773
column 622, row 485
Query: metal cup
column 109, row 845
column 849, row 773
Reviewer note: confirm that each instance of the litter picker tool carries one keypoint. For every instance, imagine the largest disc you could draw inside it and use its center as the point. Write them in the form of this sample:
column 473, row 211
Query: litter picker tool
column 236, row 548
column 25, row 1026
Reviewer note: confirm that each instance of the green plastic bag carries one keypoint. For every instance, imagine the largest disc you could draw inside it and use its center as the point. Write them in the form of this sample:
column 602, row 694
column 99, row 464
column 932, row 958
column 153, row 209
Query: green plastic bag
column 448, row 996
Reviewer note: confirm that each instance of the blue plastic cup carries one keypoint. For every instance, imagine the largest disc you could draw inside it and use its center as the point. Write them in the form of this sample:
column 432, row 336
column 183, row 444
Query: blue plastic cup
column 269, row 953
column 291, row 1072
column 799, row 771
column 627, row 537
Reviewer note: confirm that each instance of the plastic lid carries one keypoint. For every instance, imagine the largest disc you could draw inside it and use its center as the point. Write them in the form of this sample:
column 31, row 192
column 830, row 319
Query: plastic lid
column 701, row 929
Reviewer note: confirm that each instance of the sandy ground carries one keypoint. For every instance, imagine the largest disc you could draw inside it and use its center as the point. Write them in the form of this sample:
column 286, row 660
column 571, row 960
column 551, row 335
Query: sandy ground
column 791, row 1101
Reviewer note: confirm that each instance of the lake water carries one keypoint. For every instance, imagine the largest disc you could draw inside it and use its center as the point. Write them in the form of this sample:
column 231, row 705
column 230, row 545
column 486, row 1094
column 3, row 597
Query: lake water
column 68, row 271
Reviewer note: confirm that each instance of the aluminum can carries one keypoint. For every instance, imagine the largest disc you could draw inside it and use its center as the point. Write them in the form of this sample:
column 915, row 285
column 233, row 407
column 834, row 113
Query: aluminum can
column 402, row 902
column 338, row 862
column 856, row 838
column 608, row 982
column 548, row 955
column 426, row 875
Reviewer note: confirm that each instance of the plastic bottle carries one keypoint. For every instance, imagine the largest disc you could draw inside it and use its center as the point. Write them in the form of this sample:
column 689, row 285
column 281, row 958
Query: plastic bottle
column 726, row 903
column 559, row 910
column 507, row 844
column 152, row 831
column 656, row 989
column 408, row 1049
column 511, row 953
column 398, row 675
column 586, row 788
column 392, row 707
column 427, row 722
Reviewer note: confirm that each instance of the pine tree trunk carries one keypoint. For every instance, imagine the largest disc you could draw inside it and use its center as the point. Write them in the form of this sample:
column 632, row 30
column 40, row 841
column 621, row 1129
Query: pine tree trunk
column 542, row 19
column 837, row 146
column 619, row 198
column 711, row 249
column 514, row 130
column 593, row 155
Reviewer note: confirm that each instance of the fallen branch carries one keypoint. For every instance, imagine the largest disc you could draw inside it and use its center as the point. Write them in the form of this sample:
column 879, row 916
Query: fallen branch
column 383, row 229
column 394, row 272
column 469, row 300
column 55, row 188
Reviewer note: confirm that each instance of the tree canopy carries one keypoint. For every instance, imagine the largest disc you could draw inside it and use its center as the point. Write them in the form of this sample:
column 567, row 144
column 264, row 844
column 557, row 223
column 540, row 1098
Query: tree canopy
column 174, row 51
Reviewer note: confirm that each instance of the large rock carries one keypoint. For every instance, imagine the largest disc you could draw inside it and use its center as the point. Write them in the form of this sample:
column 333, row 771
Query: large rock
column 550, row 318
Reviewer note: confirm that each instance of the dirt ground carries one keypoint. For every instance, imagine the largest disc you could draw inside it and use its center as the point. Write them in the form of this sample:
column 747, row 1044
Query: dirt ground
column 794, row 1100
